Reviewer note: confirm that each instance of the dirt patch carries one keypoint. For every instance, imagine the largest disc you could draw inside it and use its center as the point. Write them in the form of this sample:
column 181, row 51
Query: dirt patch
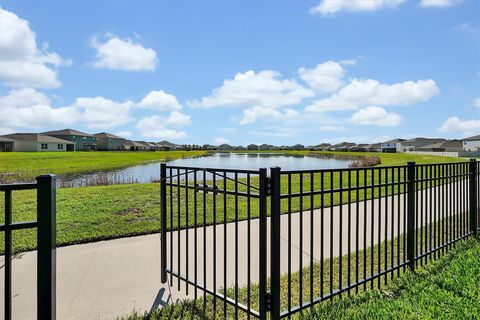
column 134, row 211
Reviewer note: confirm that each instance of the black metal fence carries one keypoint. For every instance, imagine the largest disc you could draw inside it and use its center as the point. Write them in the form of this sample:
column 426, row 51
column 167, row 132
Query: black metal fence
column 46, row 244
column 329, row 232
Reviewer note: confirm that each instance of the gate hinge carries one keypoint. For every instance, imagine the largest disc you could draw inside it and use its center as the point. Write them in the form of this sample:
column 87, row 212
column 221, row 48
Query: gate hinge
column 268, row 301
column 268, row 184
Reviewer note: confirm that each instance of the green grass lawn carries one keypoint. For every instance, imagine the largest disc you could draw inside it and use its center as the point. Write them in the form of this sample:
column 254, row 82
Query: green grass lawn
column 35, row 163
column 105, row 212
column 446, row 288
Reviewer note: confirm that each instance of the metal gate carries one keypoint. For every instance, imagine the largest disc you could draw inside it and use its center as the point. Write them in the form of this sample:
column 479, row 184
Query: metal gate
column 212, row 247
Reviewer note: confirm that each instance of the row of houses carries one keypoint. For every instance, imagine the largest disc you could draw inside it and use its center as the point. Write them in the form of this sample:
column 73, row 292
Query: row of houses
column 419, row 144
column 74, row 140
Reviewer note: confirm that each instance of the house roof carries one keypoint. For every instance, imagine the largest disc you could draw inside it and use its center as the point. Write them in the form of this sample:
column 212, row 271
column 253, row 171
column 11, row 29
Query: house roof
column 3, row 139
column 104, row 135
column 130, row 143
column 374, row 145
column 165, row 143
column 423, row 140
column 393, row 141
column 474, row 138
column 68, row 132
column 445, row 144
column 362, row 145
column 35, row 137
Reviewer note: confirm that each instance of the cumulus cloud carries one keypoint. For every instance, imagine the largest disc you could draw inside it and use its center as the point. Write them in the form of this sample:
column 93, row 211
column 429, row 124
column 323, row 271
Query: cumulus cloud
column 123, row 54
column 467, row 127
column 476, row 103
column 160, row 101
column 359, row 93
column 220, row 140
column 264, row 88
column 263, row 94
column 375, row 116
column 157, row 126
column 439, row 3
column 28, row 108
column 331, row 7
column 22, row 63
column 325, row 77
column 100, row 112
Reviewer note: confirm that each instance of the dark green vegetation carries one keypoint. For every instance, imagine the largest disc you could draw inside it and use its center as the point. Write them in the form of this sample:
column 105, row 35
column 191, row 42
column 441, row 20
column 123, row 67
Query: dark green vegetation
column 97, row 213
column 446, row 288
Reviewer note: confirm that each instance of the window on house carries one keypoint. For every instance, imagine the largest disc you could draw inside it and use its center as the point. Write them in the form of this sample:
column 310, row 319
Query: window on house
column 84, row 138
column 44, row 146
column 60, row 146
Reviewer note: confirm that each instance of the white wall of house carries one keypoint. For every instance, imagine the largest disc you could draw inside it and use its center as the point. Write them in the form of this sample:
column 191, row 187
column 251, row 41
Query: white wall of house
column 471, row 145
column 33, row 146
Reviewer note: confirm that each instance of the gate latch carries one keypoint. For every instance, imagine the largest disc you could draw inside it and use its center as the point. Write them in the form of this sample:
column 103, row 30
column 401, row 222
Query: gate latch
column 268, row 185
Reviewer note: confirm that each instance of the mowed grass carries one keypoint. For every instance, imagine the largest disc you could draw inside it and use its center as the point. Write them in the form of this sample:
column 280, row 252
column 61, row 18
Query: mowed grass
column 106, row 212
column 36, row 163
column 446, row 288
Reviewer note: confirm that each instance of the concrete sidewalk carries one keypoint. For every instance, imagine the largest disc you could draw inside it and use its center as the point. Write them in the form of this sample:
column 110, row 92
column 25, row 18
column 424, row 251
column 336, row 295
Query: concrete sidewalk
column 109, row 279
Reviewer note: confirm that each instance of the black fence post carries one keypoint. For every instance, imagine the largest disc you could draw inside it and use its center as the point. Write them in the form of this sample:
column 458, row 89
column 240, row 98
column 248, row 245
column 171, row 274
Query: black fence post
column 473, row 197
column 163, row 222
column 262, row 281
column 275, row 243
column 46, row 242
column 411, row 234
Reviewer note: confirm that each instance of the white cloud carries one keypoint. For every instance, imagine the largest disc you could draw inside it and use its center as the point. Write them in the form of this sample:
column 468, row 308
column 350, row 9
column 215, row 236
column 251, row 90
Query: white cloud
column 359, row 93
column 123, row 54
column 265, row 88
column 156, row 126
column 375, row 116
column 99, row 112
column 160, row 101
column 22, row 64
column 325, row 77
column 439, row 3
column 28, row 108
column 476, row 103
column 220, row 140
column 331, row 7
column 467, row 127
column 253, row 114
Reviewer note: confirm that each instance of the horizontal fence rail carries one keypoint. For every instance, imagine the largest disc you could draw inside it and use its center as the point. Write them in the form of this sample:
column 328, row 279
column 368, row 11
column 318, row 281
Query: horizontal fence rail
column 46, row 243
column 330, row 232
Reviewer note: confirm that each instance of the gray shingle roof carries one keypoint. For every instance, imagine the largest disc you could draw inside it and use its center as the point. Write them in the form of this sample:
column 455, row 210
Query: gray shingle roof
column 35, row 137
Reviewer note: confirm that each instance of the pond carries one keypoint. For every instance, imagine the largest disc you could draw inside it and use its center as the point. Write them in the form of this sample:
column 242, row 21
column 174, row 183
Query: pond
column 151, row 172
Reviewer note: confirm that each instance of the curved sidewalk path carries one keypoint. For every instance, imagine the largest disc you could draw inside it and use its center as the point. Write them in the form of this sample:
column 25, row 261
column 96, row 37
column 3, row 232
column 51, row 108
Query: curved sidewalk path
column 110, row 279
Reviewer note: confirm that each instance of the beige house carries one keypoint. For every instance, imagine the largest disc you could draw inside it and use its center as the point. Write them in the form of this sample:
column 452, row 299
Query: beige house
column 37, row 142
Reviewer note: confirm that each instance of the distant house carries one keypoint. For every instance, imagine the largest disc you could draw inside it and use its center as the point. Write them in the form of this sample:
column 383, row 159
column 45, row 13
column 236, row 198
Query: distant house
column 130, row 145
column 391, row 146
column 240, row 148
column 342, row 146
column 252, row 147
column 298, row 147
column 225, row 147
column 416, row 143
column 361, row 147
column 37, row 142
column 147, row 145
column 321, row 147
column 165, row 145
column 6, row 145
column 374, row 147
column 472, row 143
column 265, row 147
column 109, row 142
column 446, row 146
column 82, row 141
column 209, row 147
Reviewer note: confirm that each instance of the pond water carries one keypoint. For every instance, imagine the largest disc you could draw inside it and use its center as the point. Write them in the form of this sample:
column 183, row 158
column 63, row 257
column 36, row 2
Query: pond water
column 151, row 172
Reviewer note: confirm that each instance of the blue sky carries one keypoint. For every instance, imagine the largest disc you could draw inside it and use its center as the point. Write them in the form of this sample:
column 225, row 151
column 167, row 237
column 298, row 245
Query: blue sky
column 279, row 72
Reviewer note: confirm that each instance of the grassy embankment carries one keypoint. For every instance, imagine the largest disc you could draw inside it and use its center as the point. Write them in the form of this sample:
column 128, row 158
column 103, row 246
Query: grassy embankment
column 446, row 288
column 31, row 164
column 96, row 213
